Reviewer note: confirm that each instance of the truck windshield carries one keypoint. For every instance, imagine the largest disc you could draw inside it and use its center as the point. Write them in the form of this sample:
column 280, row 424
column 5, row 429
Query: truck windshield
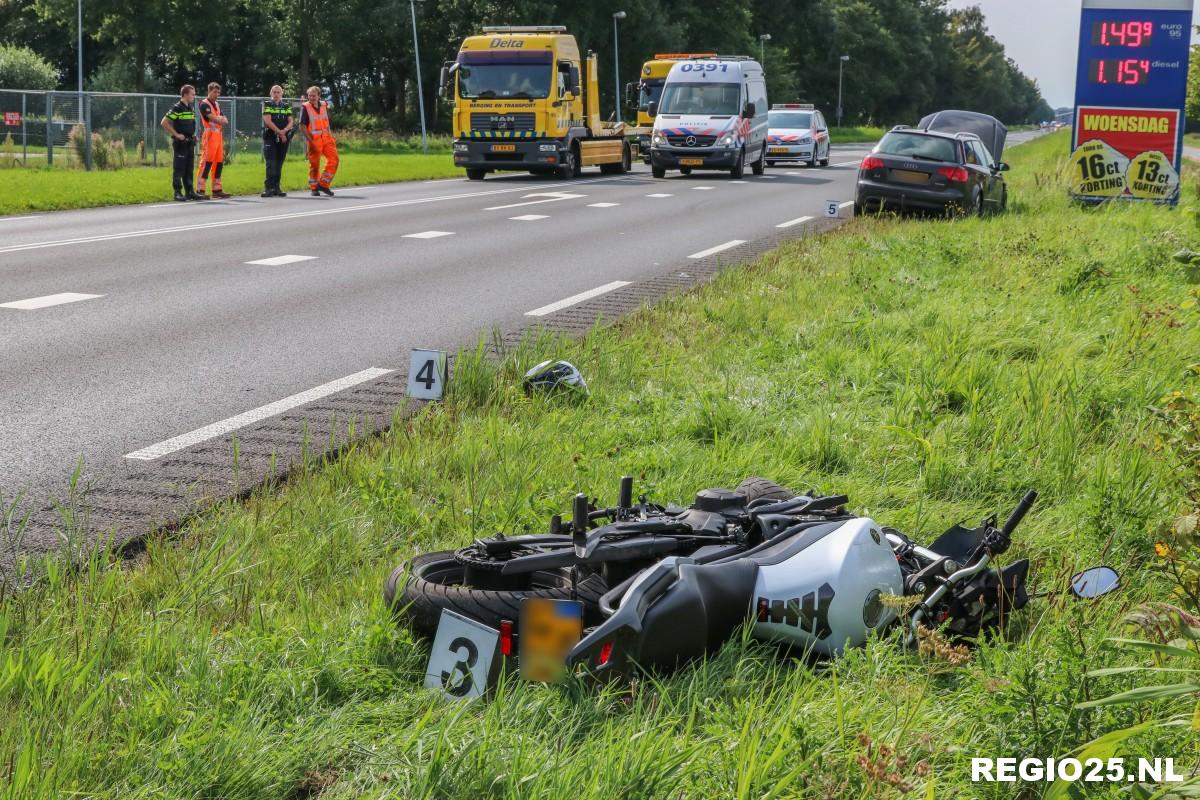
column 486, row 74
column 651, row 91
column 715, row 99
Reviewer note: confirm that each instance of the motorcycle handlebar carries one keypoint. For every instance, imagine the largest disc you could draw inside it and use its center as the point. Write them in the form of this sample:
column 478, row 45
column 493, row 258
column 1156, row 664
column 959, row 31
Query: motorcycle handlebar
column 1018, row 513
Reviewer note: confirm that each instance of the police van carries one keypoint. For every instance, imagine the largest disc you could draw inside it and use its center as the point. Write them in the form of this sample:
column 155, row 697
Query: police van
column 712, row 114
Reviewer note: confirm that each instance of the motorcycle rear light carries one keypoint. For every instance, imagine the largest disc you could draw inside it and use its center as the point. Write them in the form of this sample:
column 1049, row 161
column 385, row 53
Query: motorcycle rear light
column 954, row 174
column 764, row 608
column 506, row 637
column 605, row 654
column 871, row 162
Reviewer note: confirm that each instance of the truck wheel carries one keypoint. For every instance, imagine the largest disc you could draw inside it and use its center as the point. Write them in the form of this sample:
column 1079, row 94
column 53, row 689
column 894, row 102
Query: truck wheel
column 627, row 159
column 658, row 172
column 475, row 173
column 739, row 169
column 570, row 164
column 760, row 165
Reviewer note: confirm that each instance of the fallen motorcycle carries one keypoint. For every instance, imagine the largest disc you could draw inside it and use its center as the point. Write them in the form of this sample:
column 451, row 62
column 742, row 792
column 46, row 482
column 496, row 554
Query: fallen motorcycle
column 659, row 586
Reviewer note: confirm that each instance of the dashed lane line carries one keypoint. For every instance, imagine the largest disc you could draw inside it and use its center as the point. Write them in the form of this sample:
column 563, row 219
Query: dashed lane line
column 660, row 194
column 256, row 415
column 549, row 197
column 46, row 301
column 278, row 261
column 717, row 249
column 529, row 217
column 428, row 234
column 576, row 298
column 791, row 222
column 602, row 205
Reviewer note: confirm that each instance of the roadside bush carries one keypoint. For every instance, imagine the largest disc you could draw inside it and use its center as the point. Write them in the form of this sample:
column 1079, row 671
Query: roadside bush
column 8, row 153
column 21, row 68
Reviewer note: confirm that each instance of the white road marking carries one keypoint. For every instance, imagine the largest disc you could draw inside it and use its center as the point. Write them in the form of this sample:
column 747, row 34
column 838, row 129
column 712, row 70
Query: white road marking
column 256, row 415
column 767, row 177
column 27, row 216
column 602, row 205
column 846, row 204
column 552, row 197
column 576, row 298
column 791, row 222
column 793, row 172
column 849, row 163
column 278, row 261
column 428, row 234
column 710, row 251
column 702, row 188
column 737, row 181
column 529, row 217
column 49, row 300
column 270, row 218
column 660, row 194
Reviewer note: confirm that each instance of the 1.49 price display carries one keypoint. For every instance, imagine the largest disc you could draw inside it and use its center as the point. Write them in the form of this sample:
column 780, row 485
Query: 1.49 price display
column 1130, row 33
column 1120, row 71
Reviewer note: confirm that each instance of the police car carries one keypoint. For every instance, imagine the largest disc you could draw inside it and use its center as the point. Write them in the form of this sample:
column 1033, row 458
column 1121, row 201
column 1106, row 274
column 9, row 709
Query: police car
column 797, row 132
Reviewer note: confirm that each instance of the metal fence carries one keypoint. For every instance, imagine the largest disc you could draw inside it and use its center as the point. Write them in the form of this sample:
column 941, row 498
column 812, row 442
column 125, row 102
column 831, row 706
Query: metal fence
column 56, row 128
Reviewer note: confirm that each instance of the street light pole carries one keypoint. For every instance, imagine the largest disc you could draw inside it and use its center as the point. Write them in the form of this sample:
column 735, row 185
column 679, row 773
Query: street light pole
column 617, row 66
column 79, row 33
column 841, row 65
column 412, row 7
column 762, row 47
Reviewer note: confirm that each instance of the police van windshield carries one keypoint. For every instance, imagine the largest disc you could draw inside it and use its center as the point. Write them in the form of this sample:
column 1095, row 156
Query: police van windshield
column 651, row 91
column 487, row 74
column 790, row 119
column 715, row 99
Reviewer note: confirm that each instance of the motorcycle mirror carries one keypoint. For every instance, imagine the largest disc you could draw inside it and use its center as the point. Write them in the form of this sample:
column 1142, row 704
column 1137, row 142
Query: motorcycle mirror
column 1094, row 582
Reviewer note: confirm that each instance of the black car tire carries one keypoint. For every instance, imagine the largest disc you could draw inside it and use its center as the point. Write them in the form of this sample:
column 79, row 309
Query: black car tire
column 685, row 170
column 739, row 169
column 475, row 173
column 756, row 488
column 419, row 591
column 1004, row 200
column 980, row 206
column 760, row 164
column 658, row 172
column 770, row 163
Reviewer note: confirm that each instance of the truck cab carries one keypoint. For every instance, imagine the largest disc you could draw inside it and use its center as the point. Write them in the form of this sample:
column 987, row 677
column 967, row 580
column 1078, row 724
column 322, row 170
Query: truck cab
column 639, row 96
column 712, row 115
column 526, row 98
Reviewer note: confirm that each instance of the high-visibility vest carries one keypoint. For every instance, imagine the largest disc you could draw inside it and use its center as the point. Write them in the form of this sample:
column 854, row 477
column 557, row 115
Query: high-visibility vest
column 318, row 121
column 211, row 124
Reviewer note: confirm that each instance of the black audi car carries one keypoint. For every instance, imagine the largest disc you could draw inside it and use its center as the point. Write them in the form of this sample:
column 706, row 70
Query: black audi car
column 929, row 170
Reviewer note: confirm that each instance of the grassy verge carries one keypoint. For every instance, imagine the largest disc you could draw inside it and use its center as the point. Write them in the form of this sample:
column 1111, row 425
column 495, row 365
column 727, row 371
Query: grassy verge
column 50, row 189
column 854, row 135
column 932, row 370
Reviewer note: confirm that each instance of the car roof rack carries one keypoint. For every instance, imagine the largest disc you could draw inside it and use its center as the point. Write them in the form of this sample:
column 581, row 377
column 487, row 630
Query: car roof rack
column 524, row 28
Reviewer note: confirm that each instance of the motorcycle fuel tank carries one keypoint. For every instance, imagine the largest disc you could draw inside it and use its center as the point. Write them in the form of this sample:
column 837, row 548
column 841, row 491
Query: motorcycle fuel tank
column 826, row 595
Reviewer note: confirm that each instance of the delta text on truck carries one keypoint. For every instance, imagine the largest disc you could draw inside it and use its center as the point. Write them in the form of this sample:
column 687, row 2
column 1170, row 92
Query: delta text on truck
column 524, row 99
column 648, row 90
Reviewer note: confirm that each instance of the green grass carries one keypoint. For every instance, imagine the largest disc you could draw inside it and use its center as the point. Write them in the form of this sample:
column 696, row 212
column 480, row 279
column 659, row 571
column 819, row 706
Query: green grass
column 933, row 370
column 1191, row 140
column 50, row 189
column 854, row 135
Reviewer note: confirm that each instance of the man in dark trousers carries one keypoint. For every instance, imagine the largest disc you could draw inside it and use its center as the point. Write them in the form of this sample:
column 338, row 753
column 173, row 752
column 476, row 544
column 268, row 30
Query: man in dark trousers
column 278, row 129
column 180, row 125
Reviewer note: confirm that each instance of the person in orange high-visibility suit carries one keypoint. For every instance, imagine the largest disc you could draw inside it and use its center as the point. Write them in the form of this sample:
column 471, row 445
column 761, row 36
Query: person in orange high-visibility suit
column 212, row 143
column 314, row 124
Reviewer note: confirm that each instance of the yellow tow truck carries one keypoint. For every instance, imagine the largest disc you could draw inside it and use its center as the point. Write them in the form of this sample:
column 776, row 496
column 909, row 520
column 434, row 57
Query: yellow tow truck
column 526, row 99
column 648, row 89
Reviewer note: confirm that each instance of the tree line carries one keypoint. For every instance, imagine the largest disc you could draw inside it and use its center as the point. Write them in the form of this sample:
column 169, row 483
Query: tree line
column 907, row 57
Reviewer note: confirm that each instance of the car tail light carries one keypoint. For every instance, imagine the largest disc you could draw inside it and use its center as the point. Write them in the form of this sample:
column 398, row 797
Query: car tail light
column 506, row 637
column 605, row 654
column 954, row 174
column 871, row 162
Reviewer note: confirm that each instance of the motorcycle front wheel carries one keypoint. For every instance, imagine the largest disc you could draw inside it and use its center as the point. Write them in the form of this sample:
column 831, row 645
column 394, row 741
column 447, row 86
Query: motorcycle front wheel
column 419, row 590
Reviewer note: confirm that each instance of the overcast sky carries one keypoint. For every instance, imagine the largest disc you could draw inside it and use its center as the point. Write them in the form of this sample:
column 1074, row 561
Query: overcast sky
column 1041, row 36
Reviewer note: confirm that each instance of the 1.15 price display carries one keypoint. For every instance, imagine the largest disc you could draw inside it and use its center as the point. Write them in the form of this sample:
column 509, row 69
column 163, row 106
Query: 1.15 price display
column 1131, row 33
column 1119, row 71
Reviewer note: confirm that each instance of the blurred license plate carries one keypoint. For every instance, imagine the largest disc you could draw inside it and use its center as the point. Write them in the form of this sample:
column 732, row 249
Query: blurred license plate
column 504, row 148
column 779, row 150
column 908, row 176
column 549, row 629
column 691, row 162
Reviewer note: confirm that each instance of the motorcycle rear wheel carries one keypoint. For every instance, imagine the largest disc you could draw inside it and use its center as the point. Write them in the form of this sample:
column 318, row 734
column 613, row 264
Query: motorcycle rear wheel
column 419, row 590
column 755, row 488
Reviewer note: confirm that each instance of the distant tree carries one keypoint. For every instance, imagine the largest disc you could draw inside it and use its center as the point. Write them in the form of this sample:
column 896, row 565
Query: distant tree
column 1192, row 111
column 21, row 68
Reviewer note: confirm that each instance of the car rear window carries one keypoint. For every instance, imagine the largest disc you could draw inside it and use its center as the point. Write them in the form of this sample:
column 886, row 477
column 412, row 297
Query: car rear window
column 903, row 143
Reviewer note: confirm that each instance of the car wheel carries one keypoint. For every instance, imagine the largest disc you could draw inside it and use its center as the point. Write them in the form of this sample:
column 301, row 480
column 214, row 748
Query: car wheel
column 685, row 170
column 760, row 164
column 658, row 172
column 475, row 174
column 770, row 163
column 979, row 204
column 1004, row 200
column 739, row 169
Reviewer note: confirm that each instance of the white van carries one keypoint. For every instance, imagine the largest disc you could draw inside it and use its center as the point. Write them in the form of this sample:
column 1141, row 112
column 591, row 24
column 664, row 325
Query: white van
column 712, row 114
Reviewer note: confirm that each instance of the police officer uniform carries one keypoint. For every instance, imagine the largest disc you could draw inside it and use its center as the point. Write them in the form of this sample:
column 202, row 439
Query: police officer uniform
column 183, row 119
column 275, row 151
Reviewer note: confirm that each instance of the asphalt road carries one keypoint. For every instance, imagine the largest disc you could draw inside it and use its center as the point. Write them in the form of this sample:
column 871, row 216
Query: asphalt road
column 136, row 342
column 171, row 328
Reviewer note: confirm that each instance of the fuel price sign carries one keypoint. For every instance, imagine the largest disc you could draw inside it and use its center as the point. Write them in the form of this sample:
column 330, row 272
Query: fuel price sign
column 1130, row 86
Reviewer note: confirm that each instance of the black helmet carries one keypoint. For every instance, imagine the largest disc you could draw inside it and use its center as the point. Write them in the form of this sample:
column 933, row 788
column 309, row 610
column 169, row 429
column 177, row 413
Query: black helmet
column 553, row 376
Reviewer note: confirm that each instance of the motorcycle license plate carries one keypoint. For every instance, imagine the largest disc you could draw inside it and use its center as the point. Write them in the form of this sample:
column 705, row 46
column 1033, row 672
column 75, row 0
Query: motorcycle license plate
column 783, row 151
column 549, row 629
column 504, row 148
